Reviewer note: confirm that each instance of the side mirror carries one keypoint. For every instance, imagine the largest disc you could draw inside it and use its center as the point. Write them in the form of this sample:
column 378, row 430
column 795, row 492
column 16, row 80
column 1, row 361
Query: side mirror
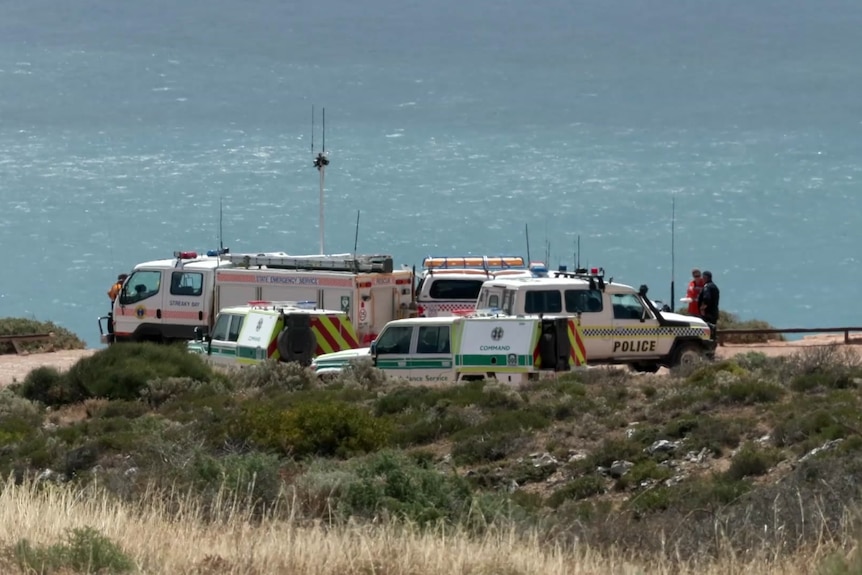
column 374, row 352
column 200, row 333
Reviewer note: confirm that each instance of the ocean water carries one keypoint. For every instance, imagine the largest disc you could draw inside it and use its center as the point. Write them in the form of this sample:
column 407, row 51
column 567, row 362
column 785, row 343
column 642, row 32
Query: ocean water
column 730, row 132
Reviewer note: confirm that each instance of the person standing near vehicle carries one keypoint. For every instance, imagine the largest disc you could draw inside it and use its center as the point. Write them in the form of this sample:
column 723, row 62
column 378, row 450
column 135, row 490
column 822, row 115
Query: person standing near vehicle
column 707, row 301
column 693, row 293
column 117, row 287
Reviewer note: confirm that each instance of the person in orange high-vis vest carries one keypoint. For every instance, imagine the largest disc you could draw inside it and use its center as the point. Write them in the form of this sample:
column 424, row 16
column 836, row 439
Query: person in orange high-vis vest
column 118, row 285
column 693, row 292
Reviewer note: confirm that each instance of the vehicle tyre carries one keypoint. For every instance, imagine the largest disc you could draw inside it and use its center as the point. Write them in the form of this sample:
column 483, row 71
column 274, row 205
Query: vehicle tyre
column 688, row 354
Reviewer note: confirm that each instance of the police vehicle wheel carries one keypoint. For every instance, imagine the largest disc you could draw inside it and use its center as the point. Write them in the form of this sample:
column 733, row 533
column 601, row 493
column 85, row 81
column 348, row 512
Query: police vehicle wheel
column 688, row 354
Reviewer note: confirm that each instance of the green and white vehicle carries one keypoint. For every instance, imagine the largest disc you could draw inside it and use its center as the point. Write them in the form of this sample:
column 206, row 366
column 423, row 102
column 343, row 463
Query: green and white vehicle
column 441, row 350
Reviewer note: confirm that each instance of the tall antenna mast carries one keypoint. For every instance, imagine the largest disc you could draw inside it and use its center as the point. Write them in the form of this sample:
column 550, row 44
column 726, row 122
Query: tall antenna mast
column 220, row 219
column 672, row 247
column 320, row 162
column 527, row 234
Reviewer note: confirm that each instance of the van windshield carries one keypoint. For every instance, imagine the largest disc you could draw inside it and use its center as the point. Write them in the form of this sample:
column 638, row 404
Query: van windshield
column 141, row 285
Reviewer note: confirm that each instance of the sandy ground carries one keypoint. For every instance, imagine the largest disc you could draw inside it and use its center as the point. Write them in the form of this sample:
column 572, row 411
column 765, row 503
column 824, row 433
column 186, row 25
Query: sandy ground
column 16, row 367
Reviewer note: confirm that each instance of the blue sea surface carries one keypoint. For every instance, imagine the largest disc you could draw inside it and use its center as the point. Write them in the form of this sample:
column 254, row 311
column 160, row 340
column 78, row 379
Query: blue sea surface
column 661, row 135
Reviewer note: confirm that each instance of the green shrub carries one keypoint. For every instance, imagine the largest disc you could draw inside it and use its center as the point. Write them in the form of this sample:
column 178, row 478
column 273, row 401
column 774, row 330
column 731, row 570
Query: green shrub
column 47, row 385
column 324, row 429
column 84, row 550
column 63, row 338
column 808, row 421
column 644, row 471
column 251, row 480
column 120, row 408
column 482, row 449
column 747, row 391
column 579, row 488
column 394, row 485
column 122, row 370
column 728, row 320
column 489, row 396
column 275, row 374
column 750, row 461
column 362, row 373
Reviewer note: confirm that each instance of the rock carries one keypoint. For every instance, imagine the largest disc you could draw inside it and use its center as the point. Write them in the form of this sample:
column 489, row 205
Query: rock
column 577, row 455
column 544, row 459
column 45, row 475
column 620, row 468
column 662, row 446
column 831, row 444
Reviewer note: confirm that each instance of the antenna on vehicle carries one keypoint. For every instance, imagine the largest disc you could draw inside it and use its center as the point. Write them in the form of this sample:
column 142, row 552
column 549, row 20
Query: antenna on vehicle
column 527, row 233
column 356, row 236
column 672, row 246
column 320, row 162
column 578, row 257
column 220, row 220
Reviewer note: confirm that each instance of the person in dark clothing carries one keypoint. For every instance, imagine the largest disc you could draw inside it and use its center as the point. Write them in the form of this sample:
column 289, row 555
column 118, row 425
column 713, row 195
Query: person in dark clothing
column 707, row 301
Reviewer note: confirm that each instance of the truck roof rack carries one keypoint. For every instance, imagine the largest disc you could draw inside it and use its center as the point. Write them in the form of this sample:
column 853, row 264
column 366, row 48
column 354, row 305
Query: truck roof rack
column 596, row 276
column 328, row 263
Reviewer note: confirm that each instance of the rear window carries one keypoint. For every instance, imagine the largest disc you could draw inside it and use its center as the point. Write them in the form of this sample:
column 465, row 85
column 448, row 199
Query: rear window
column 543, row 301
column 449, row 289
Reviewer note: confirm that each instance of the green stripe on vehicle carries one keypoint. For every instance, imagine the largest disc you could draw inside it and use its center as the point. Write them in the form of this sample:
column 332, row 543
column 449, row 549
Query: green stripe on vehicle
column 499, row 360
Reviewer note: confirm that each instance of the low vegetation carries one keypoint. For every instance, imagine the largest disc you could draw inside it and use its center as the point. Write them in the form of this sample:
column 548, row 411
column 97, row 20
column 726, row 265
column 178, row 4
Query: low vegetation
column 141, row 453
column 62, row 338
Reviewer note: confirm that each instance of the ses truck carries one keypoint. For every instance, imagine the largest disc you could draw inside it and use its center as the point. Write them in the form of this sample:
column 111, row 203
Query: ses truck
column 165, row 300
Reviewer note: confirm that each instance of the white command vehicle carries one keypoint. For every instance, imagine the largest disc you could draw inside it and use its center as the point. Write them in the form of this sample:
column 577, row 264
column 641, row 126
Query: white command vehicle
column 433, row 350
column 165, row 300
column 619, row 324
column 450, row 285
column 280, row 331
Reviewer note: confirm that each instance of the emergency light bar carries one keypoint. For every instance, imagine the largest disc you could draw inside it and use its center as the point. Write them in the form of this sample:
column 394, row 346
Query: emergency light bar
column 334, row 263
column 185, row 255
column 466, row 262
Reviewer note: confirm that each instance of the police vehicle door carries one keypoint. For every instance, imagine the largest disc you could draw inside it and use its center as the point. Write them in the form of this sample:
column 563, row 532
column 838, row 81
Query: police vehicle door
column 635, row 328
column 597, row 323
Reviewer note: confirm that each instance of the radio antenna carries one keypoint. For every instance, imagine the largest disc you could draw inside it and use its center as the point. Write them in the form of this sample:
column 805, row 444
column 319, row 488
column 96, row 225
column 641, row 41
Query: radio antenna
column 320, row 162
column 527, row 234
column 672, row 247
column 578, row 263
column 356, row 236
column 220, row 221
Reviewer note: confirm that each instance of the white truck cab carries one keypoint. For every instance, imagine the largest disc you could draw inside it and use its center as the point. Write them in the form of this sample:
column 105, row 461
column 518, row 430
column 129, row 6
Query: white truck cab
column 619, row 324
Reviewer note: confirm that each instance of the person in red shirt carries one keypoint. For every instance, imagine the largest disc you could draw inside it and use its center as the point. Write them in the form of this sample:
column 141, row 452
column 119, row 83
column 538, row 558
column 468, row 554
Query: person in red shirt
column 693, row 292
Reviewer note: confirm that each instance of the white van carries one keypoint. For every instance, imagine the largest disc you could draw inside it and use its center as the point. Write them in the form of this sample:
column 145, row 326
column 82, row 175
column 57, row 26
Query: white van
column 450, row 285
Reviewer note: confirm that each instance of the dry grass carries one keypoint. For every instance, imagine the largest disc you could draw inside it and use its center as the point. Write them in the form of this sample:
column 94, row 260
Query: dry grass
column 179, row 542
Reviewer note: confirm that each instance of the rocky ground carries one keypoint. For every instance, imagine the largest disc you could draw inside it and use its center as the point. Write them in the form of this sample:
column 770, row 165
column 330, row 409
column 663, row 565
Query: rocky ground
column 15, row 367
